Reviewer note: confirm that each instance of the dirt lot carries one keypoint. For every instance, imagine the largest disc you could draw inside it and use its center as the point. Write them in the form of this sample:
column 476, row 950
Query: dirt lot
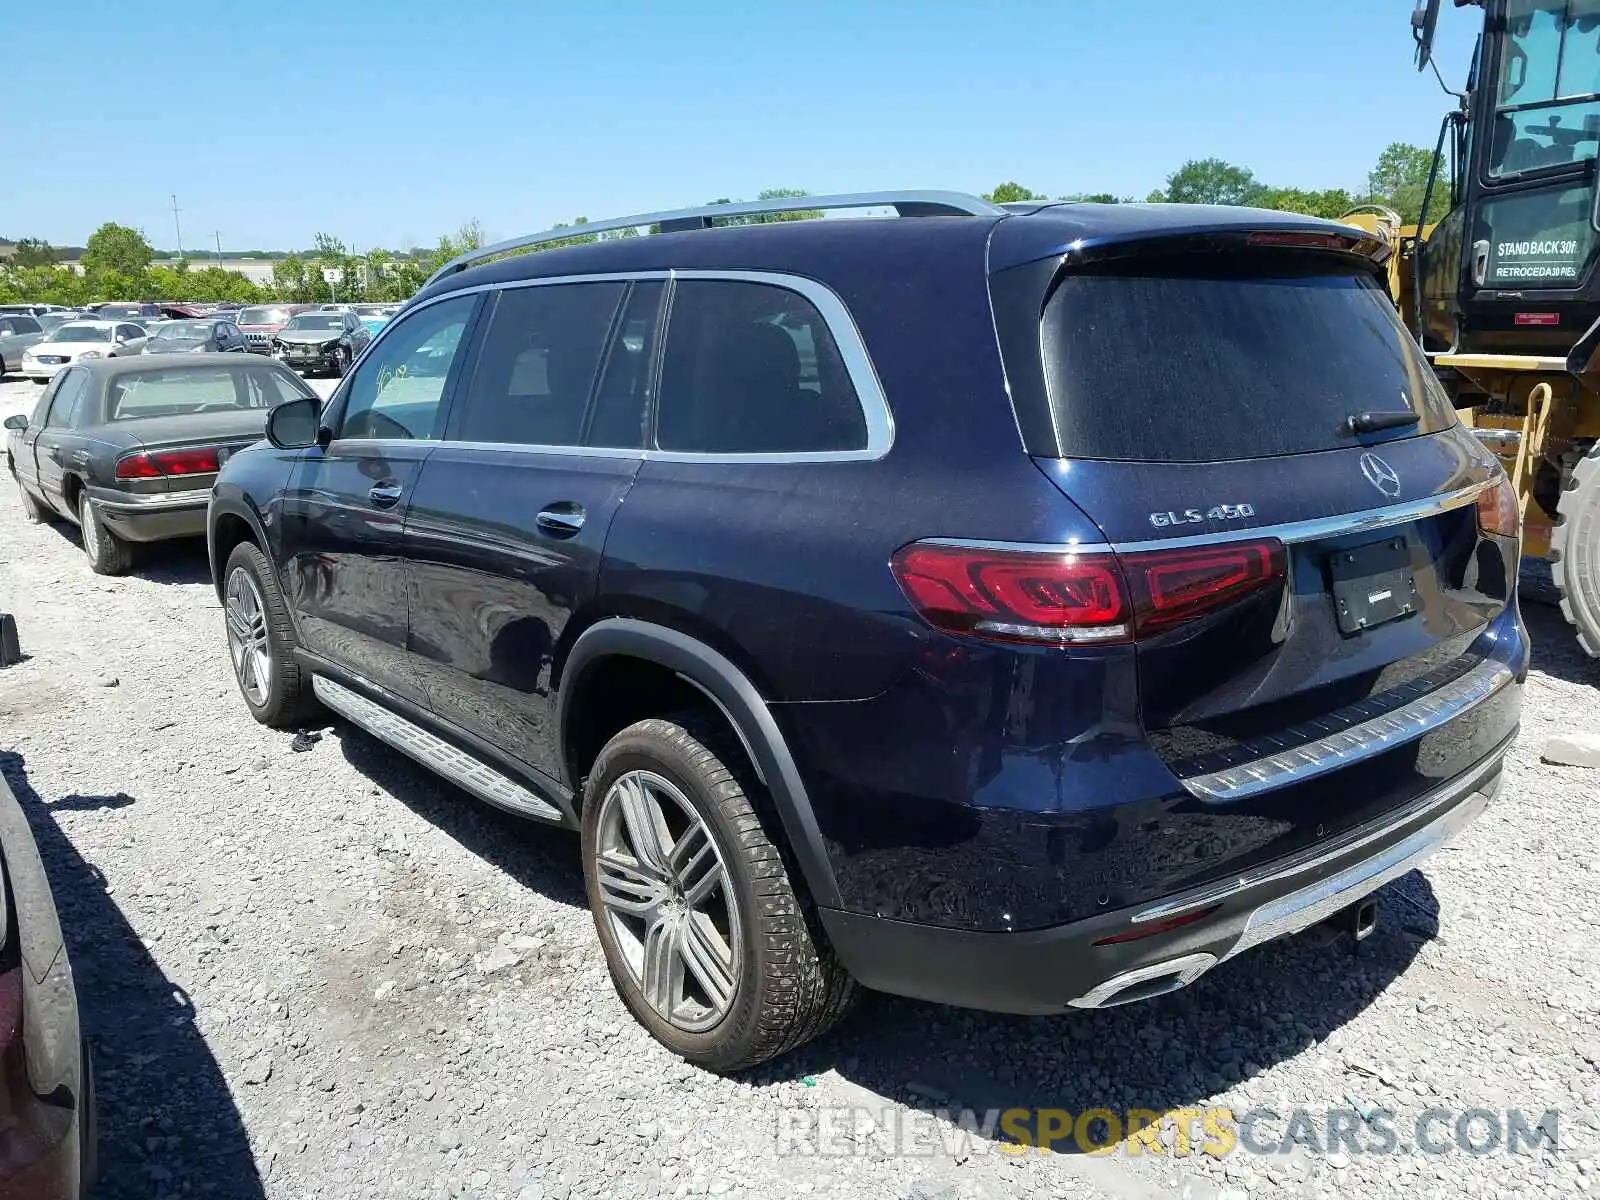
column 328, row 974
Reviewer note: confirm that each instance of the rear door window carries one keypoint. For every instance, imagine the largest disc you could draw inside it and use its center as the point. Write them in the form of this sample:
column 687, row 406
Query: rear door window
column 69, row 398
column 537, row 367
column 752, row 368
column 1186, row 361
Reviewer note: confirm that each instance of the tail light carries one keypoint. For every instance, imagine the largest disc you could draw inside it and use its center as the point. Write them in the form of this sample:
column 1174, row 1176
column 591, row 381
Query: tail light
column 168, row 462
column 1499, row 512
column 1077, row 599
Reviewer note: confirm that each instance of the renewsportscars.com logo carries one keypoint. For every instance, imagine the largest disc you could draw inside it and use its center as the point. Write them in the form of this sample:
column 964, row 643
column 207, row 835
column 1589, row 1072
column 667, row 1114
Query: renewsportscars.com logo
column 845, row 1130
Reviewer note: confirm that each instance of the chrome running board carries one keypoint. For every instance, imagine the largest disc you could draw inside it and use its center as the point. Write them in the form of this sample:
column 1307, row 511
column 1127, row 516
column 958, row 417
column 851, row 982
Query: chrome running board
column 460, row 768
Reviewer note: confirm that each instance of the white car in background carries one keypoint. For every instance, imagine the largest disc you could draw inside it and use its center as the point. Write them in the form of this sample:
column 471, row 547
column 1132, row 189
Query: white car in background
column 79, row 341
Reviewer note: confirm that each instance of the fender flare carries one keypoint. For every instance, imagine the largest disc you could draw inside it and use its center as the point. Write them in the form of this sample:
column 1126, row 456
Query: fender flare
column 221, row 506
column 740, row 702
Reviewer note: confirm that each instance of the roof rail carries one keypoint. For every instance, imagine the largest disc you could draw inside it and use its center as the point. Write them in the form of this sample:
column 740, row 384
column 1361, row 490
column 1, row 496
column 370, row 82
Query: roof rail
column 905, row 204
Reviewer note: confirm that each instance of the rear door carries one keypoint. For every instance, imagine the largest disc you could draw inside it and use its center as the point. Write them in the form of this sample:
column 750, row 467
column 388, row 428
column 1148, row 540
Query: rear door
column 1256, row 403
column 509, row 518
column 343, row 571
column 55, row 444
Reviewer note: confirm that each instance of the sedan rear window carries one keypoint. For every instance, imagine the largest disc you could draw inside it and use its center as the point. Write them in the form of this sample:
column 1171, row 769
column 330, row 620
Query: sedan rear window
column 178, row 393
column 1181, row 360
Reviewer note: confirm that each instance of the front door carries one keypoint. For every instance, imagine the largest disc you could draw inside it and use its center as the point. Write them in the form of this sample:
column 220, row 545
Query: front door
column 344, row 575
column 509, row 520
column 26, row 461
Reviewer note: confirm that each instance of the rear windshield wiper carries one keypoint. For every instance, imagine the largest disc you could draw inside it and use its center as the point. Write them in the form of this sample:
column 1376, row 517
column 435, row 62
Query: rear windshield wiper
column 1373, row 422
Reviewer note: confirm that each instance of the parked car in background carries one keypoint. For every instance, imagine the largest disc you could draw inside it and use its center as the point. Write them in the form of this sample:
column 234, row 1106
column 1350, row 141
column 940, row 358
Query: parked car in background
column 47, row 1088
column 81, row 341
column 141, row 313
column 129, row 448
column 374, row 316
column 910, row 603
column 52, row 321
column 17, row 333
column 260, row 323
column 325, row 342
column 210, row 335
column 24, row 310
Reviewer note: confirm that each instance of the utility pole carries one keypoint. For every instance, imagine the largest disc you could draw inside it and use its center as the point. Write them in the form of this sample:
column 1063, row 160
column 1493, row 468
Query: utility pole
column 177, row 227
column 218, row 235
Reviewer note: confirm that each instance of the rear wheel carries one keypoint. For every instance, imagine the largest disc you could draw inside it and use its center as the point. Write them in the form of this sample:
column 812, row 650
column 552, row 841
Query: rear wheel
column 261, row 642
column 703, row 931
column 107, row 553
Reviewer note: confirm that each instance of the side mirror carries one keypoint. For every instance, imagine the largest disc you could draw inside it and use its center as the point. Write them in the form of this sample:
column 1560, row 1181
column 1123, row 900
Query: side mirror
column 295, row 424
column 16, row 421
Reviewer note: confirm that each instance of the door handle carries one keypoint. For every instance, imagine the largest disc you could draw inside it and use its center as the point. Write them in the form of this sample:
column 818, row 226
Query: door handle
column 385, row 495
column 561, row 520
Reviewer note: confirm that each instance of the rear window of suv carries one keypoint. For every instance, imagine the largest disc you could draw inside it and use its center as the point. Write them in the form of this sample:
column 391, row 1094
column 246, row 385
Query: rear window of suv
column 1182, row 360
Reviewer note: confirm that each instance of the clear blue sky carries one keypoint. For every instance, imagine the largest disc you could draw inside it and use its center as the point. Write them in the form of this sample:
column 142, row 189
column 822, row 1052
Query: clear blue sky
column 389, row 122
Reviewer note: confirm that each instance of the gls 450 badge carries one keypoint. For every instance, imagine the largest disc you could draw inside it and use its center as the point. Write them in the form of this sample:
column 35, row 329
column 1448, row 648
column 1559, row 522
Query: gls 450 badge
column 1194, row 516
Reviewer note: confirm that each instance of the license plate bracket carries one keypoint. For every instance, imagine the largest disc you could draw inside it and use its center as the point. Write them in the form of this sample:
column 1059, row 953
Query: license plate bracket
column 1372, row 585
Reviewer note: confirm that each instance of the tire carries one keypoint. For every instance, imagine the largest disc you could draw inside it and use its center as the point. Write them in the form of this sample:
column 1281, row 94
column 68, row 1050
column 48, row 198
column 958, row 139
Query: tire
column 1575, row 551
column 261, row 641
column 32, row 511
column 778, row 985
column 107, row 553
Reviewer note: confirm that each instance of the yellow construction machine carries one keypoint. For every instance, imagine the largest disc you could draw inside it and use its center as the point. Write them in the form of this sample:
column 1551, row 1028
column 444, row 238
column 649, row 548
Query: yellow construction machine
column 1503, row 290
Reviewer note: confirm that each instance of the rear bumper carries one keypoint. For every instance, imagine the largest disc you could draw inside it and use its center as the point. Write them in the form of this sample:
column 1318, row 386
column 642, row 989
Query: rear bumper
column 1052, row 970
column 155, row 518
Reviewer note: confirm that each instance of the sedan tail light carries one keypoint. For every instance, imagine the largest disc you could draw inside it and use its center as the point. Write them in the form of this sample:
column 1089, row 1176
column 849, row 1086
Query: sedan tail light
column 1498, row 510
column 1076, row 599
column 162, row 463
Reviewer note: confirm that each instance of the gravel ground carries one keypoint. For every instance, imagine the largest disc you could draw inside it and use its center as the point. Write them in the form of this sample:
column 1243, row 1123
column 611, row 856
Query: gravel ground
column 329, row 974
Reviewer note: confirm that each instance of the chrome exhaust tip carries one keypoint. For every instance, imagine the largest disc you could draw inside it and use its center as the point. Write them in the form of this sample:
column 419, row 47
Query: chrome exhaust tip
column 1145, row 983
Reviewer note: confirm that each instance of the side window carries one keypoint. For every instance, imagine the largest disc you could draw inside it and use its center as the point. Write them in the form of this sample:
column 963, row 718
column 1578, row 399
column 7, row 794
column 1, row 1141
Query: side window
column 69, row 396
column 397, row 389
column 621, row 408
column 130, row 331
column 268, row 389
column 43, row 406
column 752, row 368
column 8, row 327
column 26, row 325
column 532, row 381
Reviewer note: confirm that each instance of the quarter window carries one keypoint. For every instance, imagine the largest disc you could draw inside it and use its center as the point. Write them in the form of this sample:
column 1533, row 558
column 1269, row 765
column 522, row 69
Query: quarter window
column 753, row 368
column 397, row 389
column 533, row 377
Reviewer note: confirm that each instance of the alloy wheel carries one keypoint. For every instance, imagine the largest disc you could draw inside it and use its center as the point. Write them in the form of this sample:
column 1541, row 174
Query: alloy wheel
column 89, row 529
column 668, row 897
column 246, row 617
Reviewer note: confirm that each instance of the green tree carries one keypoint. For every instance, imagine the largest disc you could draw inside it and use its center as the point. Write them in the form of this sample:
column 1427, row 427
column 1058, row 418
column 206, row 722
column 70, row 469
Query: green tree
column 1012, row 193
column 34, row 252
column 289, row 279
column 1331, row 203
column 1095, row 198
column 1210, row 181
column 1401, row 177
column 116, row 250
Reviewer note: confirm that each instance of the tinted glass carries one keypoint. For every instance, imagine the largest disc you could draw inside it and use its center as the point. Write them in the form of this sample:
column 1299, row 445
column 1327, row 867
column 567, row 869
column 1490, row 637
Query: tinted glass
column 532, row 381
column 396, row 391
column 752, row 368
column 315, row 321
column 1186, row 362
column 69, row 399
column 621, row 412
column 184, row 330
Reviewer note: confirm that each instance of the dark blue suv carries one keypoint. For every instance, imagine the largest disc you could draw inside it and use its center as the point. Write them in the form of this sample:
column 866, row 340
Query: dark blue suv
column 1022, row 607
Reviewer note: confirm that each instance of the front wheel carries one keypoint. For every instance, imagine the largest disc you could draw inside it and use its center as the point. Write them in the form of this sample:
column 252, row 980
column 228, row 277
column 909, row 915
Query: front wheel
column 704, row 933
column 107, row 553
column 1575, row 551
column 261, row 642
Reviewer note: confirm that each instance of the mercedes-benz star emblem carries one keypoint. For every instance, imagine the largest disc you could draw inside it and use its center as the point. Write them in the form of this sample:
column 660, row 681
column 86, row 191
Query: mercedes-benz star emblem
column 1380, row 474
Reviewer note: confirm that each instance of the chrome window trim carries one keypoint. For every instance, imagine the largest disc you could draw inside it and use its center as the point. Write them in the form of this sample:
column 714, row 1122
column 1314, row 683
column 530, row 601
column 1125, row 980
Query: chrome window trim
column 1289, row 532
column 835, row 315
